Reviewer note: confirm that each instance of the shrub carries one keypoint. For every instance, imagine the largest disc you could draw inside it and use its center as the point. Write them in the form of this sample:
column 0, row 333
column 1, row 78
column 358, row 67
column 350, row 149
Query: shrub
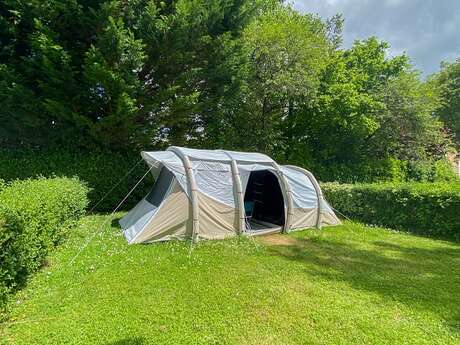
column 437, row 171
column 100, row 170
column 35, row 216
column 376, row 170
column 425, row 208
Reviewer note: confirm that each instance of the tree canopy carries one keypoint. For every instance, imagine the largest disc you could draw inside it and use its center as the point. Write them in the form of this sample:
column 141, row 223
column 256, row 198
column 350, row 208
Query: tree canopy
column 447, row 81
column 235, row 74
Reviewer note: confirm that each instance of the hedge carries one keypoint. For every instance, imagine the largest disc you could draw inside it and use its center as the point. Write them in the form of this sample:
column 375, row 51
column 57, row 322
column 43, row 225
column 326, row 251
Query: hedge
column 34, row 216
column 431, row 209
column 102, row 170
column 99, row 169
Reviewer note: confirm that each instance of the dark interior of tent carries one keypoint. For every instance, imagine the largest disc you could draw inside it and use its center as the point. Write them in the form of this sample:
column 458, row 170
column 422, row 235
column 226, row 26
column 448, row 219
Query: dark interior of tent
column 263, row 201
column 158, row 192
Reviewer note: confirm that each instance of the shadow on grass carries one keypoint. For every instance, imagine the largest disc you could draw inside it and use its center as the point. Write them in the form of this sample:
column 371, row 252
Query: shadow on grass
column 128, row 341
column 426, row 279
column 115, row 223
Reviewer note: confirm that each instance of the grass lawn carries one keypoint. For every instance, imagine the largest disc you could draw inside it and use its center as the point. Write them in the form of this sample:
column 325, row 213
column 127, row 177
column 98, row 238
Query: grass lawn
column 342, row 285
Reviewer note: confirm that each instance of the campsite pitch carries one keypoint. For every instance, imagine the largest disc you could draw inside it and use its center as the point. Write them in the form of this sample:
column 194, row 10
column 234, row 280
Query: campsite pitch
column 348, row 284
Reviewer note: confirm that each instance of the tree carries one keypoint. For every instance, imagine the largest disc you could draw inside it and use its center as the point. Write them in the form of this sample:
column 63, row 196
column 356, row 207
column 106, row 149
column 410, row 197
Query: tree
column 116, row 74
column 370, row 109
column 283, row 55
column 448, row 80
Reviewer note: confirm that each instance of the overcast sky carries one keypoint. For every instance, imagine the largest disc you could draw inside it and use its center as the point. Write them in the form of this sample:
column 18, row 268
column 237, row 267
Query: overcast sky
column 427, row 30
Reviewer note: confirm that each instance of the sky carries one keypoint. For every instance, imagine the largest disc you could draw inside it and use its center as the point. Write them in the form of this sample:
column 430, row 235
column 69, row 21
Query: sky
column 428, row 31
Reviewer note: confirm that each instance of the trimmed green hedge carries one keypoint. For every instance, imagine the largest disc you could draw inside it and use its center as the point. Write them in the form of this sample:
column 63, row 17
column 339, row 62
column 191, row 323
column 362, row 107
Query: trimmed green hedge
column 35, row 216
column 425, row 208
column 100, row 170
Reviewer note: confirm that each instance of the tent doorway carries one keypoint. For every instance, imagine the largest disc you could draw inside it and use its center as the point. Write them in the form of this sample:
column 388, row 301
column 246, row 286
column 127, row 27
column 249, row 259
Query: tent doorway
column 263, row 202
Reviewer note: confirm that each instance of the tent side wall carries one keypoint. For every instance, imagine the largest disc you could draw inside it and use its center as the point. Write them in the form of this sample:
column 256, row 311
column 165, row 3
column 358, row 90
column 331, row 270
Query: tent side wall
column 310, row 208
column 171, row 221
column 136, row 219
column 217, row 220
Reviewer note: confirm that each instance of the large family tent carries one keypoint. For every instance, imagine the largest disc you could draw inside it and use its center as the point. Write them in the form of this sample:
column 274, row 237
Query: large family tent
column 214, row 194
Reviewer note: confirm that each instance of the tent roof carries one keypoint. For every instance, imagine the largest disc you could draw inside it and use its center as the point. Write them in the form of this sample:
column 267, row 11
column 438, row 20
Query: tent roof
column 170, row 158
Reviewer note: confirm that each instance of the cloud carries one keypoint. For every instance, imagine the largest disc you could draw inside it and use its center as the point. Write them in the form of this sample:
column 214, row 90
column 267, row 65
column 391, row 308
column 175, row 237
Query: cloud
column 427, row 30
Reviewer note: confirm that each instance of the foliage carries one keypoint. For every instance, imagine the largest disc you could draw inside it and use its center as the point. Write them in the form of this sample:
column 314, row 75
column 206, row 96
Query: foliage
column 423, row 208
column 371, row 170
column 427, row 171
column 284, row 53
column 124, row 76
column 341, row 285
column 114, row 74
column 369, row 106
column 107, row 172
column 35, row 215
column 102, row 171
column 447, row 80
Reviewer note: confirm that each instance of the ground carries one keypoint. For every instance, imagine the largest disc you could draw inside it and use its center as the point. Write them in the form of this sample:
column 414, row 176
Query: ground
column 349, row 284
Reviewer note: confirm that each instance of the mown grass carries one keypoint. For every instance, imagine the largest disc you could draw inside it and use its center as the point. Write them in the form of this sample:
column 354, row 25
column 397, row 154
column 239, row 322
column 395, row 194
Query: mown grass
column 349, row 284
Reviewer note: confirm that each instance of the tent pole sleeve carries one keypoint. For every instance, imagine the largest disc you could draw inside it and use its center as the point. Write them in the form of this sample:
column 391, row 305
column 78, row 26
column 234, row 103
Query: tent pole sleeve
column 239, row 193
column 319, row 193
column 192, row 191
column 288, row 193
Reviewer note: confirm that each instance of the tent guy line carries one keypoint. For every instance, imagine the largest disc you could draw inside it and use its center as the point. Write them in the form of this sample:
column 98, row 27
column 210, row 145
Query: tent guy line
column 108, row 219
column 115, row 186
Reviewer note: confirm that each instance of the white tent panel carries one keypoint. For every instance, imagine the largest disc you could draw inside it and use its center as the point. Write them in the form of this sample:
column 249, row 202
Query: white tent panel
column 223, row 155
column 208, row 155
column 303, row 192
column 165, row 157
column 251, row 157
column 328, row 216
column 215, row 179
column 304, row 218
column 171, row 161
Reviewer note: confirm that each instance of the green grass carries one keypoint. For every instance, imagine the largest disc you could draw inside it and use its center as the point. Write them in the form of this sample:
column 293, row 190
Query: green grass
column 342, row 285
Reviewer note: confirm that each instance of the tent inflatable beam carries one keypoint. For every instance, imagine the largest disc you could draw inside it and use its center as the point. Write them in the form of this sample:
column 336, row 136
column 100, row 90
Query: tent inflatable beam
column 192, row 190
column 239, row 193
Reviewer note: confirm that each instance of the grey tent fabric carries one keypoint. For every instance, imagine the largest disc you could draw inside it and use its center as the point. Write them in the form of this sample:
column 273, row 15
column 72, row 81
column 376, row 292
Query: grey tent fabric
column 200, row 194
column 303, row 191
column 138, row 217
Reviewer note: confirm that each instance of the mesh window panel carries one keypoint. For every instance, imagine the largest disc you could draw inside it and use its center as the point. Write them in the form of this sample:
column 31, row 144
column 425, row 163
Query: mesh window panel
column 157, row 194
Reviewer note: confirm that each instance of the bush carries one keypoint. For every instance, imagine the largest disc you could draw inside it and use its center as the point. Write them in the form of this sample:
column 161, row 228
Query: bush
column 424, row 208
column 378, row 170
column 100, row 170
column 437, row 171
column 35, row 216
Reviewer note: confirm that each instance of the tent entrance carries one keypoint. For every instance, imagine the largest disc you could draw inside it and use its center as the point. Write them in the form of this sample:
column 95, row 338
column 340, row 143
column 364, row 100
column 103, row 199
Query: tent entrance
column 263, row 202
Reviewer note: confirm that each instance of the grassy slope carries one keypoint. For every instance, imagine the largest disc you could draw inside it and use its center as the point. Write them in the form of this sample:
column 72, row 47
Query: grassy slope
column 342, row 285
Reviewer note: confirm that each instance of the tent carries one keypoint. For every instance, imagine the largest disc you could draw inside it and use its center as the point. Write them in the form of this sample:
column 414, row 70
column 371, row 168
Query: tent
column 215, row 194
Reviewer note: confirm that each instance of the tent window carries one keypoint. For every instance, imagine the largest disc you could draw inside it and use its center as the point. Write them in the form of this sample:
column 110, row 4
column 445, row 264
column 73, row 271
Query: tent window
column 264, row 192
column 158, row 192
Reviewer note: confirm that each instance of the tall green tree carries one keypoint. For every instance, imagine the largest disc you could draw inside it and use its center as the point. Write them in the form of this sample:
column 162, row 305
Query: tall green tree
column 283, row 54
column 448, row 81
column 370, row 109
column 114, row 73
